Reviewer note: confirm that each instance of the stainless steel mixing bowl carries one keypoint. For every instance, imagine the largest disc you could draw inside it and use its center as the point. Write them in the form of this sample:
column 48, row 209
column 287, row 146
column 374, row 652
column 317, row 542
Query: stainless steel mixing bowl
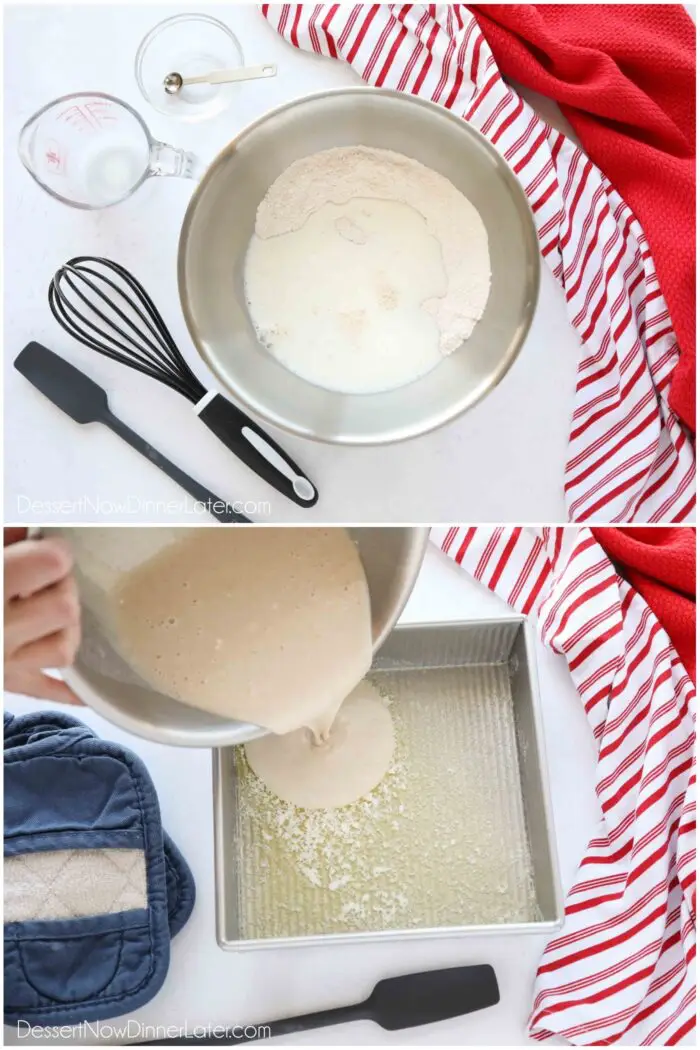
column 391, row 557
column 220, row 221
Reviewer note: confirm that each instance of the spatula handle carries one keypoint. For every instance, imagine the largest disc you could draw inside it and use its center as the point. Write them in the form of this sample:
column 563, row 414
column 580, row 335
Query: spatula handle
column 395, row 1003
column 253, row 1033
column 218, row 508
column 256, row 449
column 303, row 1023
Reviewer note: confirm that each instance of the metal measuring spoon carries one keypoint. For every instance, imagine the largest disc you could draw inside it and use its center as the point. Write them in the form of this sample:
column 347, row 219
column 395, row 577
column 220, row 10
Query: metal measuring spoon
column 175, row 81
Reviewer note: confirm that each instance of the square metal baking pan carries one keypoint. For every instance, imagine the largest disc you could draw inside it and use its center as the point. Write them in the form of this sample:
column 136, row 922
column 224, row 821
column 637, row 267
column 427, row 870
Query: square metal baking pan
column 475, row 685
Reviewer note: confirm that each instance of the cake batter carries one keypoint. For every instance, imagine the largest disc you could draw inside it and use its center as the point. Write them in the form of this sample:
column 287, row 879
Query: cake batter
column 349, row 764
column 270, row 626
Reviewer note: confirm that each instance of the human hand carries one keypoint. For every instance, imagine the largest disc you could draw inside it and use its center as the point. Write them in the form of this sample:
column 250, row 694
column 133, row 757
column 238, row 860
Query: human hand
column 42, row 615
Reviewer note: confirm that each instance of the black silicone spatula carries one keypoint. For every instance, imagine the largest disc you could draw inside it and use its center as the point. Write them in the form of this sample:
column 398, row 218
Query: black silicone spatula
column 397, row 1002
column 84, row 401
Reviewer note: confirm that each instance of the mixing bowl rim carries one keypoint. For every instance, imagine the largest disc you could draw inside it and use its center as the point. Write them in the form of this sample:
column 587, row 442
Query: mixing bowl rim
column 215, row 737
column 394, row 434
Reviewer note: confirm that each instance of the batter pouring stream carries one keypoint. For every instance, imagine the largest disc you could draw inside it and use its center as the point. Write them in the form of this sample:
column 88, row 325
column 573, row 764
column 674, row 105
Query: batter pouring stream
column 270, row 626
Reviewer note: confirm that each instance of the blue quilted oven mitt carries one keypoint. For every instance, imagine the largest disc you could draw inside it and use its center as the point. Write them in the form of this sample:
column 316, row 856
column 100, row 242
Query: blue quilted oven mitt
column 94, row 889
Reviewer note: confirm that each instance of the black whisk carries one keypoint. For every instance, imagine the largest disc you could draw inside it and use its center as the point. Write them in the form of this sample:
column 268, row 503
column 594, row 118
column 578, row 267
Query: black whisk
column 103, row 306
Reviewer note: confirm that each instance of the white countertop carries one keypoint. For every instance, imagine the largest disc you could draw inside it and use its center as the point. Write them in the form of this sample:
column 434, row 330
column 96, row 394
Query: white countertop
column 206, row 986
column 502, row 461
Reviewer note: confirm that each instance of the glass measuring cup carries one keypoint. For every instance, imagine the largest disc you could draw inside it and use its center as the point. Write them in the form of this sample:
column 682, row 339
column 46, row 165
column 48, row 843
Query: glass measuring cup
column 93, row 150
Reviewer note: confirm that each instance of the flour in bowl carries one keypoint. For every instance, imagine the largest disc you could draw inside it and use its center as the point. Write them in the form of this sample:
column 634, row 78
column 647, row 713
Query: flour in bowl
column 365, row 269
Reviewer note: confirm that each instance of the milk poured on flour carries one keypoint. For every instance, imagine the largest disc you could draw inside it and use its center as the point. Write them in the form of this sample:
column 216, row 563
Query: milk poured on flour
column 366, row 268
column 340, row 301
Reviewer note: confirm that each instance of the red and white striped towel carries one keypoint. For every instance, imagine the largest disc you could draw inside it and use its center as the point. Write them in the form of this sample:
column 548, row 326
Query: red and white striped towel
column 629, row 457
column 623, row 966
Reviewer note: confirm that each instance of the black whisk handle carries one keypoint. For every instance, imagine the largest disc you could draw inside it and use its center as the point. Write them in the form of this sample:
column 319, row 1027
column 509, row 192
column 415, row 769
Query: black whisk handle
column 256, row 449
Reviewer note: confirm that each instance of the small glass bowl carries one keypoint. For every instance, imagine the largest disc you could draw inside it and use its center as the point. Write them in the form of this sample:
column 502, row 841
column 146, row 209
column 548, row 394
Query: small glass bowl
column 190, row 45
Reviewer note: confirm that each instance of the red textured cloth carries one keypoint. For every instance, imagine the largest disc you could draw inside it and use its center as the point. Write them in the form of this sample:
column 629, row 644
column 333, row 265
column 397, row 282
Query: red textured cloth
column 624, row 77
column 660, row 565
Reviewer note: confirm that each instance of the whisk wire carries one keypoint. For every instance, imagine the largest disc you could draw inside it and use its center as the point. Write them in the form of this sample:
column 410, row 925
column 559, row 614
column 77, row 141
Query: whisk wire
column 73, row 285
column 162, row 344
column 68, row 315
column 150, row 350
column 148, row 305
column 152, row 310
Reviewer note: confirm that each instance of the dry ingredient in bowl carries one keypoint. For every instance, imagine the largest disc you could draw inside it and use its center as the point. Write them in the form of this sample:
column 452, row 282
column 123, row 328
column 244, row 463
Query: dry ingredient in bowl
column 365, row 269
